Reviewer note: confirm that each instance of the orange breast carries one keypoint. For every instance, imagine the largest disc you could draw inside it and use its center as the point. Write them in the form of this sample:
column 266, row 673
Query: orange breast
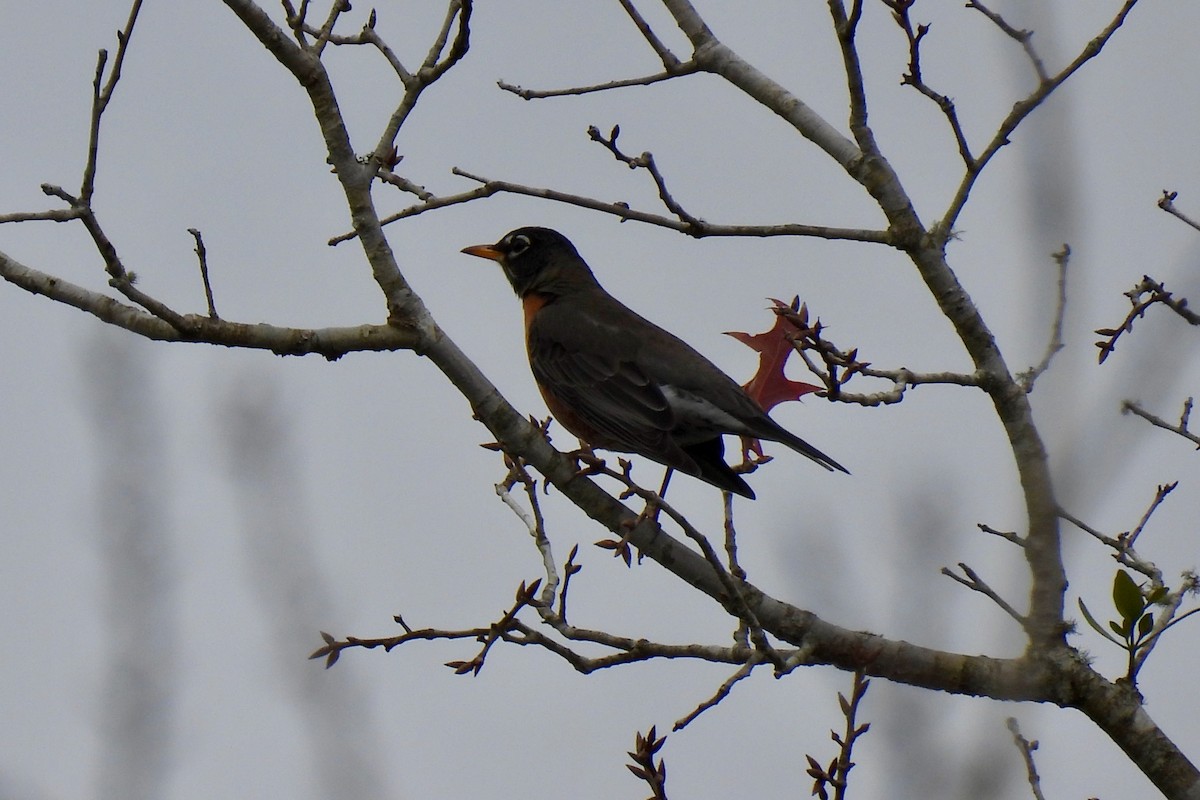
column 533, row 302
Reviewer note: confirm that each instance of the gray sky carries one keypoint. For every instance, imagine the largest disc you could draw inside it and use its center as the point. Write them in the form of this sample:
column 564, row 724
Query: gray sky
column 373, row 498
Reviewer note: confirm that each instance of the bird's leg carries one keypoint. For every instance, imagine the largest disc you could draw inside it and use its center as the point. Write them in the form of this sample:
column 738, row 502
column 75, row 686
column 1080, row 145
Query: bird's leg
column 752, row 456
column 662, row 490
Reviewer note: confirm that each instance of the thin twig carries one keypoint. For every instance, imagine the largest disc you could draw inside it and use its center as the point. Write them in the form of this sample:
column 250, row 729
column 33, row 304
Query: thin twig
column 1023, row 108
column 1011, row 536
column 846, row 28
column 735, row 569
column 973, row 582
column 202, row 254
column 1167, row 203
column 755, row 659
column 668, row 58
column 644, row 161
column 686, row 68
column 1160, row 494
column 336, row 9
column 1025, row 37
column 569, row 569
column 1027, row 747
column 915, row 79
column 837, row 774
column 699, row 229
column 1026, row 379
column 1146, row 293
column 1122, row 552
column 1181, row 428
column 101, row 96
column 368, row 36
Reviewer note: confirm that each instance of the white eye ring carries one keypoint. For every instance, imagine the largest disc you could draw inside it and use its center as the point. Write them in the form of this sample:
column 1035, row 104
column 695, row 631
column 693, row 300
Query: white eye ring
column 518, row 244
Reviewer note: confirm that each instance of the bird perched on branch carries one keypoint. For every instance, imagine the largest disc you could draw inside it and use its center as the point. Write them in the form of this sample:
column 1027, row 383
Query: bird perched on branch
column 620, row 382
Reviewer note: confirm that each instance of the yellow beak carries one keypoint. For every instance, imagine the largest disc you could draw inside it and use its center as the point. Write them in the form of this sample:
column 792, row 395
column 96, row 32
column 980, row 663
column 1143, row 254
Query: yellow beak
column 484, row 251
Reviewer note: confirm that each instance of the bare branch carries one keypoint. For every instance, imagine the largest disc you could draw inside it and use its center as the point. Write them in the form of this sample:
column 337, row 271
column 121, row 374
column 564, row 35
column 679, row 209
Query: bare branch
column 435, row 65
column 846, row 28
column 332, row 343
column 1142, row 296
column 1119, row 544
column 53, row 215
column 1181, row 428
column 1010, row 536
column 1027, row 747
column 973, row 582
column 405, row 185
column 756, row 658
column 535, row 523
column 1167, row 203
column 569, row 569
column 102, row 92
column 672, row 67
column 1027, row 378
column 367, row 36
column 1025, row 38
column 432, row 69
column 687, row 68
column 644, row 161
column 914, row 78
column 297, row 20
column 1023, row 108
column 1160, row 494
column 202, row 254
column 699, row 230
column 837, row 774
column 669, row 61
column 336, row 9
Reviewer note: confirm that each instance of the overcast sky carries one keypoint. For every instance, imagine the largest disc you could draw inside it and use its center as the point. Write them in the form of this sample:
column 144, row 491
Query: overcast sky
column 277, row 497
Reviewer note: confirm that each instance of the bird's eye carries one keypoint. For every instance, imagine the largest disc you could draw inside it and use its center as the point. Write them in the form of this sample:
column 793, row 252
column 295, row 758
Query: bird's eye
column 518, row 244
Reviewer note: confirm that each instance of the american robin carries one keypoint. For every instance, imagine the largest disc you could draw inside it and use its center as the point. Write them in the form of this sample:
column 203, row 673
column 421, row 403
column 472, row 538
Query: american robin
column 620, row 382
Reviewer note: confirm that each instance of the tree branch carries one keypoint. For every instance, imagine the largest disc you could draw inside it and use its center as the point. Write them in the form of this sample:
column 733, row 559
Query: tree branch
column 687, row 68
column 1167, row 203
column 1026, row 749
column 1030, row 376
column 1180, row 428
column 332, row 343
column 698, row 229
column 1023, row 108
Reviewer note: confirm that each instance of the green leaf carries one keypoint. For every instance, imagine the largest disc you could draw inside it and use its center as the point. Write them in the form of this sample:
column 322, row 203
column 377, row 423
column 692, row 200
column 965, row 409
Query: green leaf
column 1145, row 625
column 1127, row 597
column 1087, row 615
column 1120, row 630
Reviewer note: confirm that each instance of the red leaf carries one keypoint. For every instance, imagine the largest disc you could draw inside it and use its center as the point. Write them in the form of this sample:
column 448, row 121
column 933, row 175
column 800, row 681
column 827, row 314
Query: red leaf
column 769, row 387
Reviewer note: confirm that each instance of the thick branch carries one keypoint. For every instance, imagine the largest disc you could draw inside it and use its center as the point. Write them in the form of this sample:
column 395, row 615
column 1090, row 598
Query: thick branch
column 329, row 342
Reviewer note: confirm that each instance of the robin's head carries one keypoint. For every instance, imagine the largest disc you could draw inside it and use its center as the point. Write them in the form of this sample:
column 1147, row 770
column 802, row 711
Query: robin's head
column 537, row 260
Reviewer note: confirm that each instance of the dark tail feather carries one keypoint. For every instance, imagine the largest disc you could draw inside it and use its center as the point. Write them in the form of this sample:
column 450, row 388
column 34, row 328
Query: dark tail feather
column 709, row 457
column 784, row 436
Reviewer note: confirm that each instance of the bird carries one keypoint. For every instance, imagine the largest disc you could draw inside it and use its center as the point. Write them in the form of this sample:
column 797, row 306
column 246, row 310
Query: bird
column 619, row 382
